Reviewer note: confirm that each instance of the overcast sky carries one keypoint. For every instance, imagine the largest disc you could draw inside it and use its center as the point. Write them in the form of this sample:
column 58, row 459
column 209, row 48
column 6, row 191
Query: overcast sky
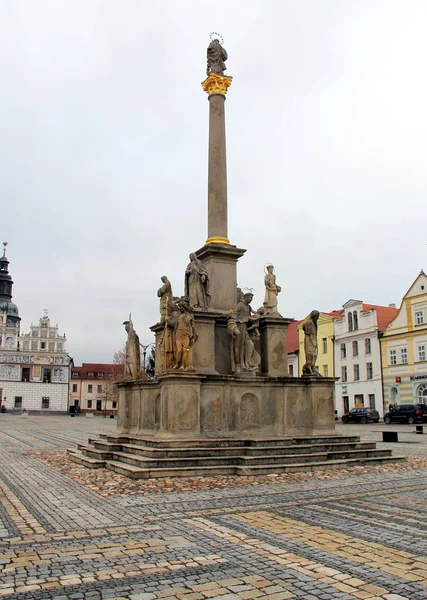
column 103, row 153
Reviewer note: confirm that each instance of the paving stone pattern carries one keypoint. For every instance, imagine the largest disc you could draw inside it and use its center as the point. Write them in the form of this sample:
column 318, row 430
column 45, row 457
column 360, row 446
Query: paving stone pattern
column 358, row 537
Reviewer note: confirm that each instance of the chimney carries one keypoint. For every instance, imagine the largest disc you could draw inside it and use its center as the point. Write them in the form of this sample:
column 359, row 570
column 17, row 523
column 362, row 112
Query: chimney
column 392, row 305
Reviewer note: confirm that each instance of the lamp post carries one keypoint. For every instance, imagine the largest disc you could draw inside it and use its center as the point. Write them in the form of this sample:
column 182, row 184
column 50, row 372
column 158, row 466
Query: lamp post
column 144, row 353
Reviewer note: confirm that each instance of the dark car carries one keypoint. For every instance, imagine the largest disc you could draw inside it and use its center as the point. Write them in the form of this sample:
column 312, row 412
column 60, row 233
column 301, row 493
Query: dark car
column 361, row 415
column 407, row 413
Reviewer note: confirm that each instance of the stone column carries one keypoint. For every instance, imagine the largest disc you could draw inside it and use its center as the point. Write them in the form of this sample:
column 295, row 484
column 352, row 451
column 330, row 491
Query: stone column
column 216, row 86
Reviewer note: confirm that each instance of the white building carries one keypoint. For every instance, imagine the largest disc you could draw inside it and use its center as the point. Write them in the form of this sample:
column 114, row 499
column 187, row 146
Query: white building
column 34, row 368
column 357, row 355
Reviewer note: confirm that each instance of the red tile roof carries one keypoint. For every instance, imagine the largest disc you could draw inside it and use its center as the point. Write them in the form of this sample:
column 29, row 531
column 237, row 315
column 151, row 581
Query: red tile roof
column 336, row 314
column 385, row 314
column 95, row 368
column 292, row 336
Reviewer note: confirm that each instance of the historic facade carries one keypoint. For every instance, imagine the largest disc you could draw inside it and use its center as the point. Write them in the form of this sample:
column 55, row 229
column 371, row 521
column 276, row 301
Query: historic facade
column 35, row 367
column 404, row 348
column 357, row 355
column 93, row 389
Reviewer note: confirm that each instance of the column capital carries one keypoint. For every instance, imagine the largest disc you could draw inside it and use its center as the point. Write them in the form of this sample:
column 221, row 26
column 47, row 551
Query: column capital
column 216, row 84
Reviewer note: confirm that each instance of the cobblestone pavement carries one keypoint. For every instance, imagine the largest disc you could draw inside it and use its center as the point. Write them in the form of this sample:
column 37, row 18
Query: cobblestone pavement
column 358, row 537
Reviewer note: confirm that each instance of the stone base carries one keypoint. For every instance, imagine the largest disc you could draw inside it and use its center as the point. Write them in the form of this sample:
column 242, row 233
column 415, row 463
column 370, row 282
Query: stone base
column 201, row 406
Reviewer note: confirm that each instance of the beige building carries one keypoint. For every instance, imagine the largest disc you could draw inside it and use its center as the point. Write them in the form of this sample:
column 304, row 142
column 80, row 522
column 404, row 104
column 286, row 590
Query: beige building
column 92, row 387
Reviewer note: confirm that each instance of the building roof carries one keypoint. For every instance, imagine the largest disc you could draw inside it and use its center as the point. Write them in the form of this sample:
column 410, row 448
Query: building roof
column 292, row 337
column 336, row 314
column 95, row 368
column 385, row 314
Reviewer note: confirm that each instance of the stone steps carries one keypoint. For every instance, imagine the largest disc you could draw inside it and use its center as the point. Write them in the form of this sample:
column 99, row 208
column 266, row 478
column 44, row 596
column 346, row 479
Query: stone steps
column 108, row 448
column 137, row 473
column 147, row 458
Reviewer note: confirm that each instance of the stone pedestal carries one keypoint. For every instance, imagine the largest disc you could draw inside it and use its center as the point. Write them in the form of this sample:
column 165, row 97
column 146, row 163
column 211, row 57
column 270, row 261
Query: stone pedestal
column 191, row 406
column 273, row 346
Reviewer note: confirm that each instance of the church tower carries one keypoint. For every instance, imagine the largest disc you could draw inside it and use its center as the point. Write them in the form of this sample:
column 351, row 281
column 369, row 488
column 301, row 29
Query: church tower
column 9, row 314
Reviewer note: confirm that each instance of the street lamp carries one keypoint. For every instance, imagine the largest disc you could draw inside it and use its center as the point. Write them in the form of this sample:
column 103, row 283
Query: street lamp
column 144, row 352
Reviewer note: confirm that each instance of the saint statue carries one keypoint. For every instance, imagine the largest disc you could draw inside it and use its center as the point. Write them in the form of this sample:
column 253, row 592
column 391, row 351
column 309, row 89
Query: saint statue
column 309, row 326
column 132, row 352
column 167, row 340
column 244, row 357
column 165, row 295
column 271, row 291
column 197, row 288
column 216, row 56
column 183, row 324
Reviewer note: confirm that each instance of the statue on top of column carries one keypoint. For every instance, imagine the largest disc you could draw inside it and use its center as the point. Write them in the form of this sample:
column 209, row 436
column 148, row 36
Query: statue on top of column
column 216, row 56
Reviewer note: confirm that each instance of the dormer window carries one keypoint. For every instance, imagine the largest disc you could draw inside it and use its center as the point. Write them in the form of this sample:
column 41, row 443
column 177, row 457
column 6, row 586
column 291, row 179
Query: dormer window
column 350, row 321
column 355, row 320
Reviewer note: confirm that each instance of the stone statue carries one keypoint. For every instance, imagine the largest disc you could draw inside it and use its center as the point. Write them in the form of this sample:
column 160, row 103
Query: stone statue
column 244, row 358
column 167, row 343
column 216, row 56
column 239, row 295
column 165, row 295
column 132, row 352
column 309, row 326
column 271, row 291
column 183, row 324
column 197, row 287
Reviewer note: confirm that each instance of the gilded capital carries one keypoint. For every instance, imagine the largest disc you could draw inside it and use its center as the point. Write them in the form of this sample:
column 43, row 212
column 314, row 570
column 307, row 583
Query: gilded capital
column 216, row 84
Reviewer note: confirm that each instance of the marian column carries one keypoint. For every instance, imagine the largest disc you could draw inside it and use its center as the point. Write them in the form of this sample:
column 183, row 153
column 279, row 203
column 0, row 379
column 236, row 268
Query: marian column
column 218, row 255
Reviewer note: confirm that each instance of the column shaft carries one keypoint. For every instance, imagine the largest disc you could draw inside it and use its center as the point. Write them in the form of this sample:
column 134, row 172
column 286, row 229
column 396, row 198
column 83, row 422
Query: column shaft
column 217, row 176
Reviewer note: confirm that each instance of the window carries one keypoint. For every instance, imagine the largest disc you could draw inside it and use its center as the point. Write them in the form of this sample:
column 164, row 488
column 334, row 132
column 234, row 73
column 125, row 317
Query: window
column 393, row 357
column 371, row 400
column 89, row 403
column 369, row 371
column 394, row 395
column 325, row 370
column 114, row 403
column 25, row 374
column 355, row 321
column 99, row 389
column 75, row 373
column 45, row 402
column 100, row 374
column 419, row 317
column 47, row 375
column 74, row 387
column 42, row 345
column 343, row 373
column 291, row 370
column 403, row 355
column 325, row 345
column 368, row 346
column 90, row 374
column 356, row 372
column 358, row 399
column 422, row 394
column 18, row 402
column 343, row 351
column 89, row 388
column 350, row 322
column 421, row 352
column 355, row 348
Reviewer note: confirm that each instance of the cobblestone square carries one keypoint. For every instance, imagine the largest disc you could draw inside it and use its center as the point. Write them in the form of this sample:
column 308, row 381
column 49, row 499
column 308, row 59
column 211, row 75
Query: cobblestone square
column 80, row 534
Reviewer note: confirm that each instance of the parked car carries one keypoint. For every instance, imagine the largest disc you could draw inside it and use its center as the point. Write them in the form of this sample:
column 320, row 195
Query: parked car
column 407, row 413
column 361, row 415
